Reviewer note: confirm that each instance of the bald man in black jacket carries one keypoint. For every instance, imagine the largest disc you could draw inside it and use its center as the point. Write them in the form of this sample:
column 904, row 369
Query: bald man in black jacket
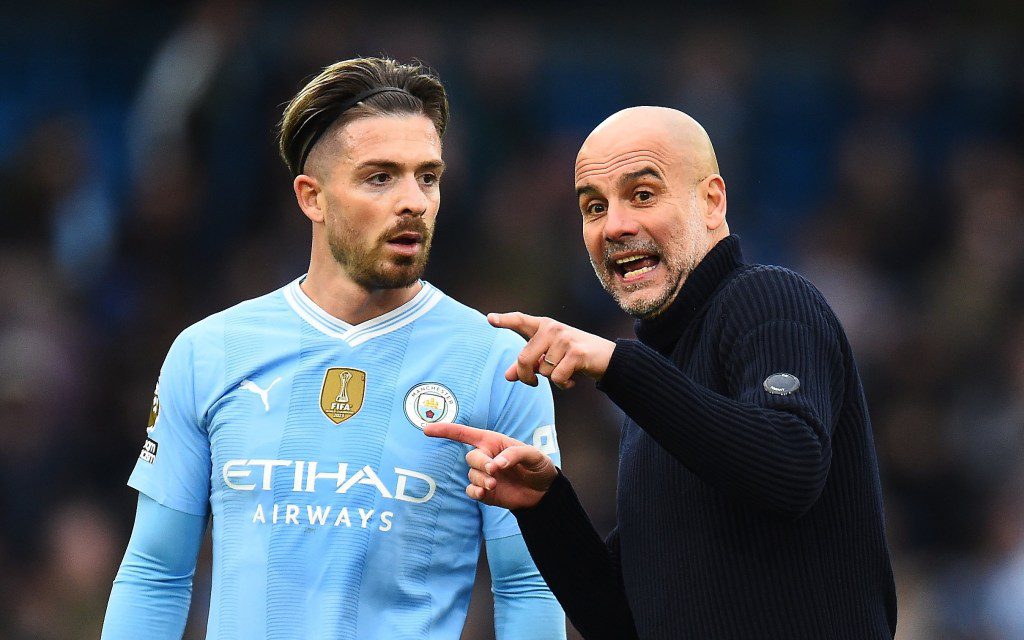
column 749, row 503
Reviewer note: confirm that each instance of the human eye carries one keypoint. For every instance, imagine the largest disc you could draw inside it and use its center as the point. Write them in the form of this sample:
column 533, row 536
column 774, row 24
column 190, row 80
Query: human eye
column 379, row 178
column 594, row 208
column 643, row 195
column 430, row 179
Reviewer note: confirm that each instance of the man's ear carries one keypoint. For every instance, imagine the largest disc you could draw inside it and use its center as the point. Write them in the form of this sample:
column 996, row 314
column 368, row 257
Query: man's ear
column 307, row 194
column 715, row 202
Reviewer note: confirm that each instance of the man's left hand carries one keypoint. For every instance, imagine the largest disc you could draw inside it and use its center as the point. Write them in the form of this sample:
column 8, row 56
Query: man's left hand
column 554, row 350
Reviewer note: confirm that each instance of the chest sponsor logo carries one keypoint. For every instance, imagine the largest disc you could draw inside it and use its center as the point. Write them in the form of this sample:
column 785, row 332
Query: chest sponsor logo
column 341, row 395
column 279, row 478
column 430, row 402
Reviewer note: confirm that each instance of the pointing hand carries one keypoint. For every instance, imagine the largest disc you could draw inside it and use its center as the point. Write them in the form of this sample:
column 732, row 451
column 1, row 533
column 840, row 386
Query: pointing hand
column 502, row 471
column 554, row 350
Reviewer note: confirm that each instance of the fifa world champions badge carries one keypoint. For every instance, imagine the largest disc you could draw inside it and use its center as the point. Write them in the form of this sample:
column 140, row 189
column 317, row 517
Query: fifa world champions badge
column 430, row 402
column 341, row 395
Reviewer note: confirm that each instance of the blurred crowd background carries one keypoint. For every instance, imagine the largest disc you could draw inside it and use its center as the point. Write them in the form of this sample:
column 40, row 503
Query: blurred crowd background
column 876, row 148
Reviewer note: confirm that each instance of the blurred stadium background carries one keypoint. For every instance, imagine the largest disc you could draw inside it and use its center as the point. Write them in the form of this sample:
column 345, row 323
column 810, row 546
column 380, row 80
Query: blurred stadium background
column 876, row 148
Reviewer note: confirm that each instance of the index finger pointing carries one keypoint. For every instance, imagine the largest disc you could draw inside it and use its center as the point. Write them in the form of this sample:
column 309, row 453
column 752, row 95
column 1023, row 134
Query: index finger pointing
column 523, row 324
column 458, row 432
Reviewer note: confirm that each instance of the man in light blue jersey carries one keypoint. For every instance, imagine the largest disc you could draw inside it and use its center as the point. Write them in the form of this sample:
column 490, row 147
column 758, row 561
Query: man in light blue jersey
column 296, row 419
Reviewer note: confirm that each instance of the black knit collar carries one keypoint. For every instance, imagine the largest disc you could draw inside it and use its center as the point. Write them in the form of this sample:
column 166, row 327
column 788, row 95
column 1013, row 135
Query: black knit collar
column 663, row 331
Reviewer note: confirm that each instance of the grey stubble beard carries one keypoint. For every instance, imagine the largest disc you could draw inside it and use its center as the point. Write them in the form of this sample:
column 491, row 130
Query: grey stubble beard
column 682, row 244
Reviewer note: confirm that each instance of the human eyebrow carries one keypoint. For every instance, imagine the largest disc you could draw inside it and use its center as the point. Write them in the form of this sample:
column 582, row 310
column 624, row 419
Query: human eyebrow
column 391, row 165
column 623, row 180
column 436, row 166
column 388, row 165
column 633, row 176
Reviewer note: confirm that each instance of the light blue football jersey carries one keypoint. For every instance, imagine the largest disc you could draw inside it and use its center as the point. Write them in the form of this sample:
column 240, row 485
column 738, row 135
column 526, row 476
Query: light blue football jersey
column 334, row 516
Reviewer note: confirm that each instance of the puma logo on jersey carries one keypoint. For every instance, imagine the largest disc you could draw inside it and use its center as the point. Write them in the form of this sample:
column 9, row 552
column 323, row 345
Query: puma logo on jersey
column 249, row 385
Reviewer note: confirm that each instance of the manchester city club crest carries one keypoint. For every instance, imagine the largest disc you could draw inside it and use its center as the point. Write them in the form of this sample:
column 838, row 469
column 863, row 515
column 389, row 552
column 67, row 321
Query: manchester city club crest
column 430, row 402
column 341, row 395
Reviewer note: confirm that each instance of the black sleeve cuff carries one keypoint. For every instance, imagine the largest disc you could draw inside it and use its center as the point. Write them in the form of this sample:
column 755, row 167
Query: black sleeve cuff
column 559, row 498
column 617, row 365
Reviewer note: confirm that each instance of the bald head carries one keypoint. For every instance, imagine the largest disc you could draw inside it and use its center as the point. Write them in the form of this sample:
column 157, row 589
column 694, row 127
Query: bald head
column 652, row 202
column 680, row 136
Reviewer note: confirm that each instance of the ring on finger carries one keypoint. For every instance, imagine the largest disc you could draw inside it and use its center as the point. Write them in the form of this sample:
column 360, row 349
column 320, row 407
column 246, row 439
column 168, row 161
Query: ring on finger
column 548, row 362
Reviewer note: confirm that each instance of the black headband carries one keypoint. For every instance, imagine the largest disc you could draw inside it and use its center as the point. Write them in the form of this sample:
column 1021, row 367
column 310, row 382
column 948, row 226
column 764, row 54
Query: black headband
column 334, row 111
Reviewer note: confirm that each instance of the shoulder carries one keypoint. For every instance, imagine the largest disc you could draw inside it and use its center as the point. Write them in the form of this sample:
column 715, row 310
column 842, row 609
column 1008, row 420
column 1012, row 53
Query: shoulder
column 466, row 319
column 760, row 295
column 258, row 310
column 763, row 276
column 208, row 335
column 772, row 289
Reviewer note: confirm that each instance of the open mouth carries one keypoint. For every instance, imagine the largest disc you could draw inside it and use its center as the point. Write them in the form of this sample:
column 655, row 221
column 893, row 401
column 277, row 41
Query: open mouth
column 407, row 243
column 634, row 266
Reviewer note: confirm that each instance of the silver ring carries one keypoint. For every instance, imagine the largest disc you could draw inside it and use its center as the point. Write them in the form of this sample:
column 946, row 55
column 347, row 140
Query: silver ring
column 546, row 361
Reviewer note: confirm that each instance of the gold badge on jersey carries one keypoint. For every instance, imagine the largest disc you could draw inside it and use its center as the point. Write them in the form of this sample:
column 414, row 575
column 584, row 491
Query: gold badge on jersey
column 341, row 396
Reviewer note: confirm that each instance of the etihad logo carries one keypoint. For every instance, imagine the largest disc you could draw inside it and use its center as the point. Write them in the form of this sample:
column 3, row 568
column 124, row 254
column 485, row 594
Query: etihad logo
column 318, row 515
column 247, row 475
column 341, row 395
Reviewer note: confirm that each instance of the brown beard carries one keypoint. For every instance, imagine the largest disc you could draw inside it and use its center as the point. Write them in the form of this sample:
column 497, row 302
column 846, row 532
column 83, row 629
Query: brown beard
column 372, row 269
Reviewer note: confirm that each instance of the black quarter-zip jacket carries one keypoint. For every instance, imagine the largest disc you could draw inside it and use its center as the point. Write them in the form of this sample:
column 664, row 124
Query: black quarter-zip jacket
column 749, row 504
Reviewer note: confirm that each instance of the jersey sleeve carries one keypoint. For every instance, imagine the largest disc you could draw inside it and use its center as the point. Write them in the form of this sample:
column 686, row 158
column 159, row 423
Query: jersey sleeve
column 522, row 412
column 523, row 605
column 154, row 583
column 174, row 466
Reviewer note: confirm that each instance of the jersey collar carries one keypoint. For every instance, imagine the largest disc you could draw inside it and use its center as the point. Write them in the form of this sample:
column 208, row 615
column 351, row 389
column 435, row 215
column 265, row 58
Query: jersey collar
column 354, row 335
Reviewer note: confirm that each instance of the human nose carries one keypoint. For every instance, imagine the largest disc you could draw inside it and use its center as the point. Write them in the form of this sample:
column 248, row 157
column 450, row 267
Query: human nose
column 620, row 223
column 411, row 200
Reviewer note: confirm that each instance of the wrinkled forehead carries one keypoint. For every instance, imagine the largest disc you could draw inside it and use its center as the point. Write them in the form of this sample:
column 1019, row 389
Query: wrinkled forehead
column 605, row 155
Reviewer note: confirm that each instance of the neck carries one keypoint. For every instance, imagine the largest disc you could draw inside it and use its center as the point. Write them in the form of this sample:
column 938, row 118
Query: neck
column 334, row 291
column 663, row 332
